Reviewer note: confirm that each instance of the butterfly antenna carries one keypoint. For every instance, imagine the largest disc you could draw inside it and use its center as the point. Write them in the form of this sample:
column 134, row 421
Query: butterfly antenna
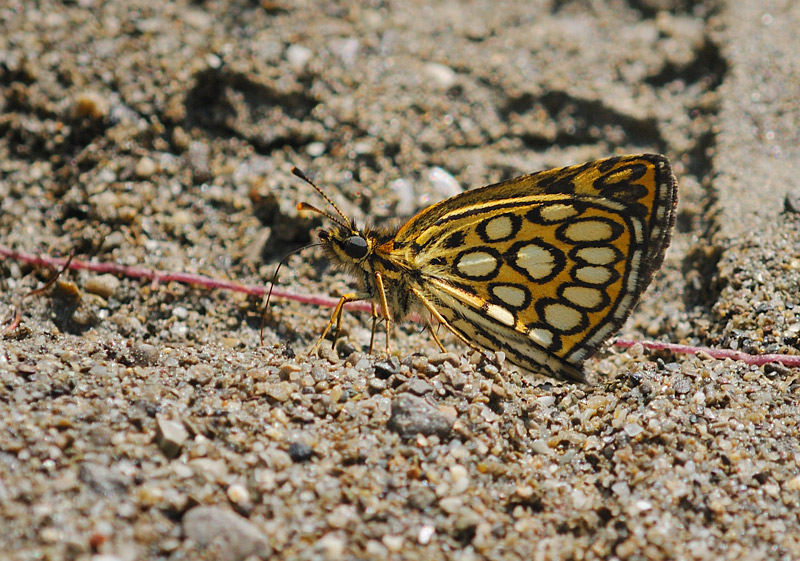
column 348, row 224
column 272, row 285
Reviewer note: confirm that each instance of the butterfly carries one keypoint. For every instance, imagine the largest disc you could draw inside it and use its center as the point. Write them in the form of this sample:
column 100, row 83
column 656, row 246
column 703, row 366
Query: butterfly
column 544, row 267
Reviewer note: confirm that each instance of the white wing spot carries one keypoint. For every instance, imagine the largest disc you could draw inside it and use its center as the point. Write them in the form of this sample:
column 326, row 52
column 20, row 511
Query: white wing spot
column 499, row 228
column 501, row 314
column 583, row 297
column 597, row 255
column 536, row 260
column 476, row 264
column 557, row 213
column 542, row 337
column 511, row 295
column 562, row 317
column 593, row 275
column 588, row 231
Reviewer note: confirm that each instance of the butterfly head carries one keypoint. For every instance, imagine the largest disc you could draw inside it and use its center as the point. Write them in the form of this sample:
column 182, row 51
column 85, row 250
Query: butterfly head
column 344, row 242
column 346, row 245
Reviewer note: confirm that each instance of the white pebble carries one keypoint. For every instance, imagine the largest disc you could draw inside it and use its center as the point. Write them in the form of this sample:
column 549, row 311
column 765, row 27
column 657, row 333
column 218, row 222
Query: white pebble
column 445, row 184
column 441, row 75
column 298, row 56
column 404, row 190
column 425, row 534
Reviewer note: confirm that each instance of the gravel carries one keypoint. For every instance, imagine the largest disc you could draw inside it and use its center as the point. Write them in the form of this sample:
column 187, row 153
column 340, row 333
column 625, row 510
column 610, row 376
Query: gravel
column 141, row 420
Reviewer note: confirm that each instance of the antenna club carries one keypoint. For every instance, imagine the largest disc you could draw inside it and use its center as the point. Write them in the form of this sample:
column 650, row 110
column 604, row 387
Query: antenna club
column 299, row 173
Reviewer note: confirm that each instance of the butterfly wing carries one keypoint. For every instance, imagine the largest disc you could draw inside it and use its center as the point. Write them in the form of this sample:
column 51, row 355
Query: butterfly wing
column 547, row 266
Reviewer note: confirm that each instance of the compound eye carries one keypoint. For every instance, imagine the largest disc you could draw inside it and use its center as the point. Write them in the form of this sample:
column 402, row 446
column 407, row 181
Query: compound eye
column 355, row 247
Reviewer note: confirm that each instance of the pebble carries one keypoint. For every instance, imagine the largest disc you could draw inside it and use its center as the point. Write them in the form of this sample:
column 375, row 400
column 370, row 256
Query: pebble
column 223, row 534
column 412, row 415
column 298, row 57
column 145, row 168
column 425, row 534
column 92, row 105
column 680, row 384
column 170, row 435
column 418, row 386
column 280, row 391
column 443, row 182
column 442, row 76
column 239, row 495
column 791, row 203
column 144, row 354
column 300, row 452
column 316, row 149
column 460, row 478
column 331, row 546
column 386, row 368
column 102, row 480
column 102, row 285
column 440, row 358
column 451, row 505
column 392, row 542
column 346, row 49
column 406, row 196
column 633, row 429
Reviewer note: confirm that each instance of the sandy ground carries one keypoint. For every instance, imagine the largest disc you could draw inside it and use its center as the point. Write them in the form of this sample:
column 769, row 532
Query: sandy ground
column 145, row 421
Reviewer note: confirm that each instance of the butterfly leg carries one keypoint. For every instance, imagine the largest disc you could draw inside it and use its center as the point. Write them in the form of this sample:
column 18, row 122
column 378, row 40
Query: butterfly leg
column 435, row 337
column 384, row 306
column 336, row 318
column 374, row 327
column 441, row 319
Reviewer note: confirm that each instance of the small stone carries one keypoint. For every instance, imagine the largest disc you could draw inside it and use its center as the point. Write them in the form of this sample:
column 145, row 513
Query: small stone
column 103, row 285
column 315, row 149
column 460, row 477
column 223, row 534
column 238, row 494
column 443, row 182
column 392, row 542
column 546, row 400
column 421, row 497
column 211, row 470
column 386, row 368
column 376, row 385
column 198, row 156
column 103, row 480
column 524, row 491
column 406, row 196
column 412, row 415
column 145, row 168
column 298, row 57
column 170, row 435
column 331, row 546
column 791, row 203
column 418, row 386
column 280, row 391
column 633, row 429
column 442, row 76
column 144, row 354
column 287, row 369
column 346, row 49
column 540, row 446
column 300, row 452
column 180, row 312
column 425, row 534
column 342, row 516
column 467, row 520
column 440, row 358
column 680, row 384
column 451, row 505
column 92, row 105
